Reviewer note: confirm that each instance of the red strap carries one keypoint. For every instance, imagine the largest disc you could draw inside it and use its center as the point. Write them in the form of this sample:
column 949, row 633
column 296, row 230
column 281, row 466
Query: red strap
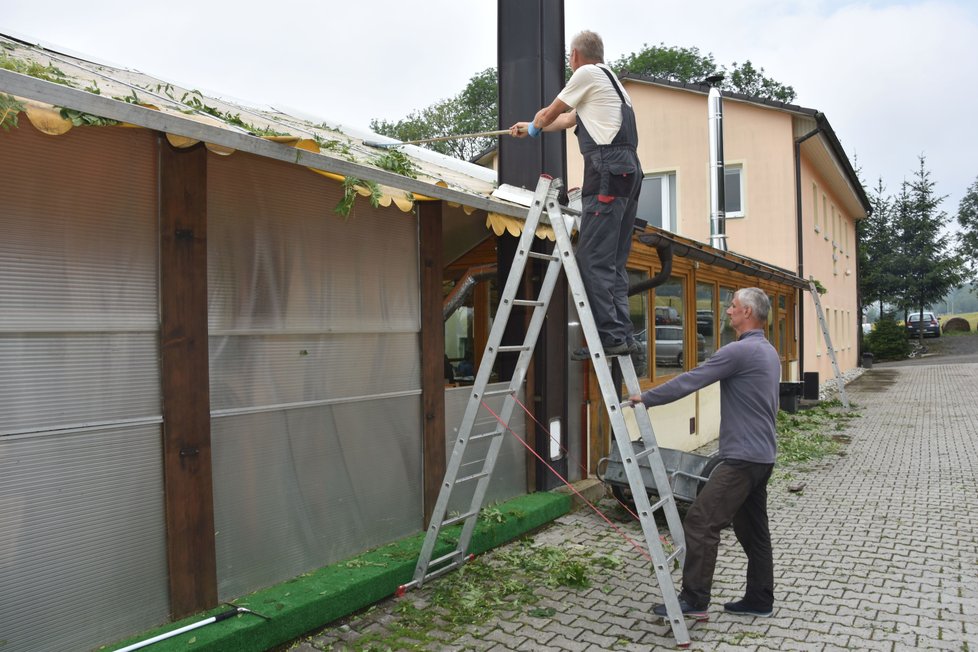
column 606, row 199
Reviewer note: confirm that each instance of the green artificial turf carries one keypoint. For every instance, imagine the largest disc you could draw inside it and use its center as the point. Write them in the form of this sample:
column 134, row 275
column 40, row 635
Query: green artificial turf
column 319, row 597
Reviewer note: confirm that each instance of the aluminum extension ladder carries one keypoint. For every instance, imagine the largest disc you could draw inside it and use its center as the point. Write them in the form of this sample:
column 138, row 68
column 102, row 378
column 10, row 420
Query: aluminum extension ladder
column 828, row 344
column 562, row 257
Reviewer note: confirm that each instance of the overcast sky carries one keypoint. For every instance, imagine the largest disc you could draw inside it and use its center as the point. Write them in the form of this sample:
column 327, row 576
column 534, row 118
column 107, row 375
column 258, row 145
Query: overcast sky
column 895, row 79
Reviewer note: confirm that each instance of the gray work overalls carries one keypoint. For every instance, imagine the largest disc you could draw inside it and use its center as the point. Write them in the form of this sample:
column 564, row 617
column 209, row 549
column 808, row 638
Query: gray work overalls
column 612, row 182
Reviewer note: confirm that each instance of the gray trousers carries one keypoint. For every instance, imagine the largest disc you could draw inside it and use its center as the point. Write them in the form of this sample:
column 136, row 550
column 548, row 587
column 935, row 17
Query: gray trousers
column 737, row 493
column 602, row 253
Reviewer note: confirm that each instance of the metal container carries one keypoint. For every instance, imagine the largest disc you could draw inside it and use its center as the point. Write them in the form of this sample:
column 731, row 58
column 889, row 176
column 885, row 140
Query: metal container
column 688, row 472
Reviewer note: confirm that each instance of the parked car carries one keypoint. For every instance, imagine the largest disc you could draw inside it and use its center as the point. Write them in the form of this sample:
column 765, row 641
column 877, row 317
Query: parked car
column 932, row 327
column 704, row 323
column 669, row 346
column 667, row 315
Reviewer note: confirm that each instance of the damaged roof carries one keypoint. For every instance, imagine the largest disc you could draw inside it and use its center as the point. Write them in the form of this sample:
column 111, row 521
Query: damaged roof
column 57, row 91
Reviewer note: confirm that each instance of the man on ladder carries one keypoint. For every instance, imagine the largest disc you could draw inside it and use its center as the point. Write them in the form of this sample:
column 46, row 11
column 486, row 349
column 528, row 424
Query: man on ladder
column 595, row 103
column 749, row 371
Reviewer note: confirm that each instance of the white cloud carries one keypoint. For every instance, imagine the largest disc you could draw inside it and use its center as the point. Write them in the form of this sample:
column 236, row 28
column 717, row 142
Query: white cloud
column 895, row 78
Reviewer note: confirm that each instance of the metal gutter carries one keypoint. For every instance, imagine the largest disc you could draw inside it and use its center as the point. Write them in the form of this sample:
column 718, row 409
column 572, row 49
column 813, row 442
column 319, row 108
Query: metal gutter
column 63, row 96
column 801, row 242
column 725, row 260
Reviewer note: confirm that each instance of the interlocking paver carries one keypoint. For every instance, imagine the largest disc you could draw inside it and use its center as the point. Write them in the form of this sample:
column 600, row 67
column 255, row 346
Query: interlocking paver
column 877, row 552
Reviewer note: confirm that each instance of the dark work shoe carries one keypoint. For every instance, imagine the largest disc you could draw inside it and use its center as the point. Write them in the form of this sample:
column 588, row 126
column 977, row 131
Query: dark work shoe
column 688, row 610
column 743, row 608
column 609, row 350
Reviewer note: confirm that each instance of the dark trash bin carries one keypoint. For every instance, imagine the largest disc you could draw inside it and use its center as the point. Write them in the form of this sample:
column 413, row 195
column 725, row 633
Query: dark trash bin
column 867, row 360
column 810, row 379
column 789, row 393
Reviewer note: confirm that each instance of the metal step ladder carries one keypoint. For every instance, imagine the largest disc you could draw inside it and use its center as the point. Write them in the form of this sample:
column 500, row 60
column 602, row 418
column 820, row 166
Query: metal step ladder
column 561, row 259
column 828, row 343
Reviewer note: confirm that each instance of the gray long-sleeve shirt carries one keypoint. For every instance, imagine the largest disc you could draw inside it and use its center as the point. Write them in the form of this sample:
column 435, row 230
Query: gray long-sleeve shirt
column 749, row 371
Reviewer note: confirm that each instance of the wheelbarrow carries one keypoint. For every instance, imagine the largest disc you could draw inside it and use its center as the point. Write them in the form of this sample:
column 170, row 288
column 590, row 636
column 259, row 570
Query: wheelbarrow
column 688, row 472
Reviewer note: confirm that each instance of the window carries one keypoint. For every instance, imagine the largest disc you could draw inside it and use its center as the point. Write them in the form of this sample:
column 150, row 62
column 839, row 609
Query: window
column 638, row 310
column 727, row 333
column 825, row 217
column 815, row 206
column 706, row 322
column 733, row 190
column 657, row 203
column 670, row 334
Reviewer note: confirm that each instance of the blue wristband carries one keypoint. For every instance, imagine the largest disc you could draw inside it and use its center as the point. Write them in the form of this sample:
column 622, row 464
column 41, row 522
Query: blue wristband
column 532, row 131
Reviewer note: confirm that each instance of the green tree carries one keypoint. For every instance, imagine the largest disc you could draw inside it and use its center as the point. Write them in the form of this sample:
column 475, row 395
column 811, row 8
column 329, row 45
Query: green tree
column 476, row 108
column 879, row 278
column 929, row 265
column 672, row 63
column 968, row 236
column 690, row 65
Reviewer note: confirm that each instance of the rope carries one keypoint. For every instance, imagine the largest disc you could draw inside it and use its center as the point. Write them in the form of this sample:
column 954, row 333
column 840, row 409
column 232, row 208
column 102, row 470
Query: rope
column 597, row 511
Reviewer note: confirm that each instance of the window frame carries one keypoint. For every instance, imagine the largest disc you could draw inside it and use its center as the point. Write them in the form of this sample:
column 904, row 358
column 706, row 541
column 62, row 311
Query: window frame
column 669, row 180
column 739, row 168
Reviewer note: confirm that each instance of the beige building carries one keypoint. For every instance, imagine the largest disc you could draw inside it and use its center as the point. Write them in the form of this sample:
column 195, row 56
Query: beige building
column 792, row 201
column 780, row 159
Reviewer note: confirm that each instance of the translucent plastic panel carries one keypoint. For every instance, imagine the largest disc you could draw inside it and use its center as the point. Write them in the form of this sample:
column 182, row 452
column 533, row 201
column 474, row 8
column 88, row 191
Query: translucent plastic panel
column 59, row 380
column 79, row 231
column 280, row 259
column 298, row 489
column 509, row 475
column 266, row 370
column 83, row 538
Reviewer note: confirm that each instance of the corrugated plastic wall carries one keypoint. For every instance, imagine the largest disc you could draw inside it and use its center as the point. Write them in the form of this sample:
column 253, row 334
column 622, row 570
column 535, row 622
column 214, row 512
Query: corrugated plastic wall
column 315, row 375
column 82, row 537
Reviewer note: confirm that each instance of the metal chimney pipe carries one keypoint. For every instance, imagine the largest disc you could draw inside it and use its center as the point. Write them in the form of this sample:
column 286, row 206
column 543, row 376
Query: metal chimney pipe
column 718, row 233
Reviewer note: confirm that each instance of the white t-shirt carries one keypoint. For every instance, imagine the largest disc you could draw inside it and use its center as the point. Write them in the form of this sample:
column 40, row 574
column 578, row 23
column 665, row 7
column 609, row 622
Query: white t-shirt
column 598, row 106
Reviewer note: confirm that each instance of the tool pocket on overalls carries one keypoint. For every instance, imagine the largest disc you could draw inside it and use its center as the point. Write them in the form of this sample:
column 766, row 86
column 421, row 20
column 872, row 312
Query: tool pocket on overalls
column 618, row 176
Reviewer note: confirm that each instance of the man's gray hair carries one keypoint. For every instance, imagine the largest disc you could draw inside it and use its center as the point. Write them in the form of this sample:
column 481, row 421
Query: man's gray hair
column 756, row 300
column 589, row 45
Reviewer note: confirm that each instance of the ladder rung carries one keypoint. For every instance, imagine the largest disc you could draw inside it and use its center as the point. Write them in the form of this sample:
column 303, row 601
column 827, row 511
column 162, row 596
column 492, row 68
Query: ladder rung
column 542, row 256
column 659, row 504
column 474, row 476
column 441, row 571
column 675, row 554
column 497, row 392
column 648, row 452
column 459, row 518
column 512, row 348
column 443, row 558
column 486, row 435
column 527, row 302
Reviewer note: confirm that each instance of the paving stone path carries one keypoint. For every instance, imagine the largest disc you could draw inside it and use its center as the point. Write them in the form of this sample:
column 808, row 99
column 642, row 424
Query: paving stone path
column 878, row 552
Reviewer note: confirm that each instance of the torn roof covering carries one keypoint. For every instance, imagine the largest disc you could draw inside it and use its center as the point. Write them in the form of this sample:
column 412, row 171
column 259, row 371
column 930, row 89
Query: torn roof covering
column 134, row 87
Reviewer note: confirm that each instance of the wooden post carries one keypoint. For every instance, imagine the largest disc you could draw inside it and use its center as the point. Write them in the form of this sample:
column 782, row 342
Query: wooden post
column 432, row 353
column 186, row 394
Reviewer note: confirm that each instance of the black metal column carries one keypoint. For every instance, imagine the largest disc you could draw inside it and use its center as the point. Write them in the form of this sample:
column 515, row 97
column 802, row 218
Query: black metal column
column 531, row 73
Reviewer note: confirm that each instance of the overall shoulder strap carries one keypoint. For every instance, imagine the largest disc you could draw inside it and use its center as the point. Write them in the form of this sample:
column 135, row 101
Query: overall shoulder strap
column 614, row 83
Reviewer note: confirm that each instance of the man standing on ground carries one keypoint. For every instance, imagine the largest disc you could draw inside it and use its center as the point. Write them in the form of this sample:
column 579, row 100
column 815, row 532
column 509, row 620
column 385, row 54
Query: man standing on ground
column 595, row 102
column 749, row 371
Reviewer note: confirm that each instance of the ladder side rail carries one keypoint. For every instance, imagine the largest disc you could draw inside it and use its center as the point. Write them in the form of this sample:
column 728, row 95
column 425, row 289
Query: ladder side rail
column 482, row 377
column 612, row 403
column 840, row 383
column 656, row 465
column 644, row 509
column 509, row 405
